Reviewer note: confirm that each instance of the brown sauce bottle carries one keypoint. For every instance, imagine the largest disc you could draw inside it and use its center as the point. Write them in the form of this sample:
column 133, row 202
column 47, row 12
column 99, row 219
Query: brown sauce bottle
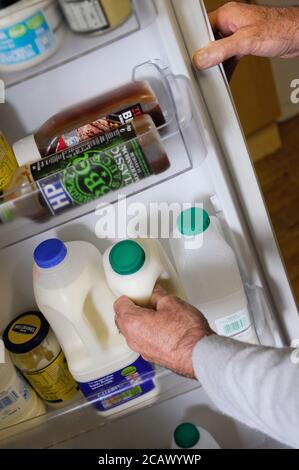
column 88, row 119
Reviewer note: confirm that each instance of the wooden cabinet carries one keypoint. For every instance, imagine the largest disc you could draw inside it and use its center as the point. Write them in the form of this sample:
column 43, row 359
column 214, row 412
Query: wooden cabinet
column 255, row 95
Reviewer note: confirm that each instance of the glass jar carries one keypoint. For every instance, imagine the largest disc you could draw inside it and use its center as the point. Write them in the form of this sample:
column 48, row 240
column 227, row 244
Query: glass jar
column 36, row 352
column 95, row 16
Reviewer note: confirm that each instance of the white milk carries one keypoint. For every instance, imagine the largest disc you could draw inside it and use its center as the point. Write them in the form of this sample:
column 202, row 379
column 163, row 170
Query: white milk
column 18, row 401
column 133, row 267
column 189, row 436
column 71, row 291
column 210, row 274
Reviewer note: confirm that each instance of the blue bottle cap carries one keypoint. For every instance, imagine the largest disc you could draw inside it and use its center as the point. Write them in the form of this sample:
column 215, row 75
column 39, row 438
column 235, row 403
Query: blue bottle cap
column 49, row 253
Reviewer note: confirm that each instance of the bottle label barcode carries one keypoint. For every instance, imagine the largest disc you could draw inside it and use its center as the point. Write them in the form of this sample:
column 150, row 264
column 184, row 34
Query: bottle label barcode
column 235, row 327
column 9, row 399
column 233, row 324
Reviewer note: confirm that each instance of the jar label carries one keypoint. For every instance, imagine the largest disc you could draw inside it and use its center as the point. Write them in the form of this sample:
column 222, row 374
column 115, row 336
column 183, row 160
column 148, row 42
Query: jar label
column 85, row 16
column 84, row 173
column 25, row 40
column 121, row 386
column 54, row 382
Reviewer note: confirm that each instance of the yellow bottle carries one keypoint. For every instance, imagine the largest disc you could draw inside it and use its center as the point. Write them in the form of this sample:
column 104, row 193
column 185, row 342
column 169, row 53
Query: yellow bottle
column 8, row 163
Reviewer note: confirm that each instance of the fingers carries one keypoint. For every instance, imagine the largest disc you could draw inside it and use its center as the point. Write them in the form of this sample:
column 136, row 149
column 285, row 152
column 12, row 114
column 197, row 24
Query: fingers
column 157, row 295
column 218, row 51
column 124, row 305
column 219, row 22
column 127, row 313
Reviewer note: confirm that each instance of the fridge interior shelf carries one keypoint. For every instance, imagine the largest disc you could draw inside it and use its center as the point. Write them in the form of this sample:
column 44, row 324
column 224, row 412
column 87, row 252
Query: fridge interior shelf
column 181, row 140
column 81, row 416
column 70, row 45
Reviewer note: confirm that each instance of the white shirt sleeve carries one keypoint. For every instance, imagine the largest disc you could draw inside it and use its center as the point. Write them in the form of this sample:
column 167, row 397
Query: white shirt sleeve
column 258, row 386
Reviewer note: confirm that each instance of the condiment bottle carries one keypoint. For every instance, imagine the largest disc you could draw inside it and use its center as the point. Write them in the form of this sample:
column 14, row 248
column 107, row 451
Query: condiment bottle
column 94, row 117
column 98, row 166
column 8, row 163
column 36, row 352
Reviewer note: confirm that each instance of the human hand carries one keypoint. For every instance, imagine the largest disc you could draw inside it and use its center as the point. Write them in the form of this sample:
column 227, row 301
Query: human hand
column 250, row 30
column 164, row 333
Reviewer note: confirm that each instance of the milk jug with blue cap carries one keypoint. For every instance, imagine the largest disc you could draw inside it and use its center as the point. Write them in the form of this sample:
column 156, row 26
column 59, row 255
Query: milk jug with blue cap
column 72, row 293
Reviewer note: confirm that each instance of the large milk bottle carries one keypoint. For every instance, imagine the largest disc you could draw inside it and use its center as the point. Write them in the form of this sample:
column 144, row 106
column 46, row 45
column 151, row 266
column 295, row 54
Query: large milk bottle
column 133, row 267
column 210, row 274
column 72, row 293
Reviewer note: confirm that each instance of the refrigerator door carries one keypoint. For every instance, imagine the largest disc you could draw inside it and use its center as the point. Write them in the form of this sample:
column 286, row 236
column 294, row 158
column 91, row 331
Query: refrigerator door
column 195, row 27
column 209, row 164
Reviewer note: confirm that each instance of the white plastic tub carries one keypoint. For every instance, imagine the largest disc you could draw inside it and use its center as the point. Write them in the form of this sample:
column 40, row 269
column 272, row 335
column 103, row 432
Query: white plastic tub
column 30, row 32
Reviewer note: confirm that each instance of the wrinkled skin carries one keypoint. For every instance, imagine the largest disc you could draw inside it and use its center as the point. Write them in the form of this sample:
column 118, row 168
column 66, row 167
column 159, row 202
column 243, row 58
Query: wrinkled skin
column 165, row 333
column 250, row 30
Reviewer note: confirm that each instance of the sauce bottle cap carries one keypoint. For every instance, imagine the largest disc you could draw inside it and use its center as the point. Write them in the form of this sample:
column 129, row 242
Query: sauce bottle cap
column 26, row 150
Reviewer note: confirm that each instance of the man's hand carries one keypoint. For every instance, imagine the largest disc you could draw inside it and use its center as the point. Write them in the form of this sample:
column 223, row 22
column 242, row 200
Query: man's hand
column 164, row 334
column 250, row 30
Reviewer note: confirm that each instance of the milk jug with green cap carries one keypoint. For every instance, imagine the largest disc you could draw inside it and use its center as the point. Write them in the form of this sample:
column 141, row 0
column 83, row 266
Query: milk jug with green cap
column 209, row 271
column 133, row 267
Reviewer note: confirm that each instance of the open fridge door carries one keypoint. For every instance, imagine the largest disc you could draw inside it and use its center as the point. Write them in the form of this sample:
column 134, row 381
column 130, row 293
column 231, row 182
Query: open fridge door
column 209, row 165
column 196, row 30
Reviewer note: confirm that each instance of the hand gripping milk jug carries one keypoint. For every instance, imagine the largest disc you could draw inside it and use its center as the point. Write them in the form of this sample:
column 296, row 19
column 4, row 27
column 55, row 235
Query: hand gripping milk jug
column 210, row 274
column 71, row 291
column 132, row 268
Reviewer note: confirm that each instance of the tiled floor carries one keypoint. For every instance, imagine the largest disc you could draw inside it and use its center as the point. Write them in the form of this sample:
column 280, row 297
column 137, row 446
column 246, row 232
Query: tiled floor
column 279, row 178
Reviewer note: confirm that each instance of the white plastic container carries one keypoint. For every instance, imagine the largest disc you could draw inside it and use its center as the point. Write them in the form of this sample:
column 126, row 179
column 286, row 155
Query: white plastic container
column 189, row 436
column 30, row 32
column 210, row 274
column 18, row 401
column 133, row 267
column 72, row 293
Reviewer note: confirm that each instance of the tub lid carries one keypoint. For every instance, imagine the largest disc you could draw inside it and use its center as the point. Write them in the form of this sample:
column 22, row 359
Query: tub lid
column 25, row 332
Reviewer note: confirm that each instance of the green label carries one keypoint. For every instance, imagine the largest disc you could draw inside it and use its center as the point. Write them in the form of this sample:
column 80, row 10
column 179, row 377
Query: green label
column 86, row 172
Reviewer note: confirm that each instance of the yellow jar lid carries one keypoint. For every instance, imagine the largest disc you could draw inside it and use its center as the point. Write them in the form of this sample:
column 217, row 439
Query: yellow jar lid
column 25, row 332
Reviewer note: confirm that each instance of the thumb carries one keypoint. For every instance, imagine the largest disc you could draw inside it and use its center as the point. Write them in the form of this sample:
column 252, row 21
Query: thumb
column 218, row 51
column 123, row 306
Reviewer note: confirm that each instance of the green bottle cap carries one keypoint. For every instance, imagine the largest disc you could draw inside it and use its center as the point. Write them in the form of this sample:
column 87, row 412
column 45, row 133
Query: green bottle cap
column 193, row 221
column 126, row 257
column 186, row 435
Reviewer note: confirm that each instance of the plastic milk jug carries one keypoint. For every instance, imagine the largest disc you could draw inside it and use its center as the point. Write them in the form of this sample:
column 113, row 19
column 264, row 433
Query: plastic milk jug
column 133, row 267
column 71, row 291
column 210, row 274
